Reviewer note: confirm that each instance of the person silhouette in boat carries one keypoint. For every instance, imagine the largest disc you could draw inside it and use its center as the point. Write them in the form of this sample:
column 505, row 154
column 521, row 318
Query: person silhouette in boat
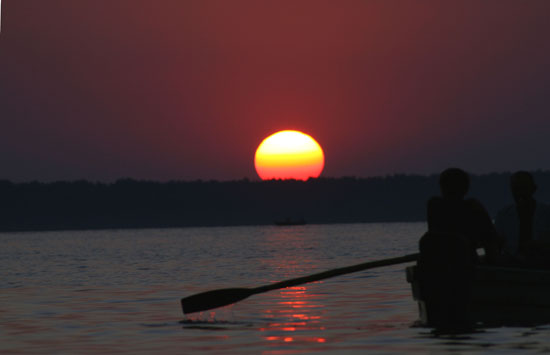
column 524, row 226
column 457, row 227
column 465, row 219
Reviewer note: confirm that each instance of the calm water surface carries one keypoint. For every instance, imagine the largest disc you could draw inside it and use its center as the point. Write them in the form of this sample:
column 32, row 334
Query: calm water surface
column 118, row 291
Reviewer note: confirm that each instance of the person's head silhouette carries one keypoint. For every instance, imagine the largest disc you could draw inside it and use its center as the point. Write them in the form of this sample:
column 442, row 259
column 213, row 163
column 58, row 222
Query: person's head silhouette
column 522, row 185
column 454, row 183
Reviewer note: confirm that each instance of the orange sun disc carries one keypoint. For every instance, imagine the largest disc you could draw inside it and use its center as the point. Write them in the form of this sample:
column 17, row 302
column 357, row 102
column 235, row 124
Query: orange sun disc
column 289, row 155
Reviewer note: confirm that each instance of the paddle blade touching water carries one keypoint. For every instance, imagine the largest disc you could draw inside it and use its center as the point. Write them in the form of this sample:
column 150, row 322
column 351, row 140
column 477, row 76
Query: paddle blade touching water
column 213, row 299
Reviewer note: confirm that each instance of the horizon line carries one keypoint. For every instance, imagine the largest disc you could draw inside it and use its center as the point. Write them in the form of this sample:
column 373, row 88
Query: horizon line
column 247, row 179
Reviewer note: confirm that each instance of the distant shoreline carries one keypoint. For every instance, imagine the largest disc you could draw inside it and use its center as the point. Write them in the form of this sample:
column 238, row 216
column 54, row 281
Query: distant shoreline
column 190, row 226
column 132, row 204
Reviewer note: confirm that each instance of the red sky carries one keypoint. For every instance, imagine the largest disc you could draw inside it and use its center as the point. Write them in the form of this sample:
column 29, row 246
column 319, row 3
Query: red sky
column 185, row 90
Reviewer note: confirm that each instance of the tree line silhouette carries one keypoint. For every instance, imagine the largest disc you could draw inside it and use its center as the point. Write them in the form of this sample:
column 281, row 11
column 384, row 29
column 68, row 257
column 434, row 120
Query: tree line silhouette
column 129, row 203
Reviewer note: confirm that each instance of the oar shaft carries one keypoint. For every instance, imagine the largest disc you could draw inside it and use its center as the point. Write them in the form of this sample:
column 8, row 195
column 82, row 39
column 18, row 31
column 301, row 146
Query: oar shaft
column 218, row 298
column 336, row 272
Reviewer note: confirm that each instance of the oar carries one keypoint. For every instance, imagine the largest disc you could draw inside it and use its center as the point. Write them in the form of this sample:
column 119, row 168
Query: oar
column 223, row 297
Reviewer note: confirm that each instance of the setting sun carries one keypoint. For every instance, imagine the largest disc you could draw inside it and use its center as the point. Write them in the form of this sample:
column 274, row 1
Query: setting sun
column 289, row 155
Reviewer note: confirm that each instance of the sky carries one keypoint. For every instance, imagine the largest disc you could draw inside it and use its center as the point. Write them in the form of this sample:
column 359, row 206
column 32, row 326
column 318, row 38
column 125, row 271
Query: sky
column 186, row 90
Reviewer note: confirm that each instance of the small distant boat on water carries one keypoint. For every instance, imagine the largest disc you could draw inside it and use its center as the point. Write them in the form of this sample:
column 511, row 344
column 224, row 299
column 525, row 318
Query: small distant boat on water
column 290, row 222
column 499, row 295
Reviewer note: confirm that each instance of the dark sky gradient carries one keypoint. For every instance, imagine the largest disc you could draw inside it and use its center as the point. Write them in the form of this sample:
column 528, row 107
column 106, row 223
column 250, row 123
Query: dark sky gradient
column 174, row 89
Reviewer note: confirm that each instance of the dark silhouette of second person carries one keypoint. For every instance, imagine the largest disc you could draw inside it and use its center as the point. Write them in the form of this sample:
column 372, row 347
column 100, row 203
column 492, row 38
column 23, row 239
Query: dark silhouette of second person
column 525, row 226
column 457, row 227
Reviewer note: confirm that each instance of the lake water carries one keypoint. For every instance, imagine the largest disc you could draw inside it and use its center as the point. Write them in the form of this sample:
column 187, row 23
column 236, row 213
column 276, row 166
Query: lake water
column 119, row 291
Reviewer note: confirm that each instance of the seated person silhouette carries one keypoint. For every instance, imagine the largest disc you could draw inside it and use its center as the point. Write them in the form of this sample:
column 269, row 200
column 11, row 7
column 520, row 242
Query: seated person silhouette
column 525, row 225
column 451, row 213
column 456, row 228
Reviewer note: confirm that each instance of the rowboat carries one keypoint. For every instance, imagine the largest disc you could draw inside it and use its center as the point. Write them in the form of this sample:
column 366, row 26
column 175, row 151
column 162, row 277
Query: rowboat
column 290, row 222
column 497, row 296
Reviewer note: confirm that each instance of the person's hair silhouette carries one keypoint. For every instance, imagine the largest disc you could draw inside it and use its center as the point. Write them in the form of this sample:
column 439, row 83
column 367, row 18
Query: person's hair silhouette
column 522, row 185
column 454, row 183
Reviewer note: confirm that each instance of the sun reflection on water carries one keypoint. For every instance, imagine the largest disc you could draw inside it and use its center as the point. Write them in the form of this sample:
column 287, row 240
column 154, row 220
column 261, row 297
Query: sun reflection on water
column 294, row 314
column 296, row 311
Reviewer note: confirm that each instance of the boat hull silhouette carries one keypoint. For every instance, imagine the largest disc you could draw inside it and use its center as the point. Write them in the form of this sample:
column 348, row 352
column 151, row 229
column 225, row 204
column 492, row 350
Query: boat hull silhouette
column 499, row 296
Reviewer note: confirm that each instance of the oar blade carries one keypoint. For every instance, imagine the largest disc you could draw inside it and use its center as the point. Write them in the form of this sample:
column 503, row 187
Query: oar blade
column 214, row 299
